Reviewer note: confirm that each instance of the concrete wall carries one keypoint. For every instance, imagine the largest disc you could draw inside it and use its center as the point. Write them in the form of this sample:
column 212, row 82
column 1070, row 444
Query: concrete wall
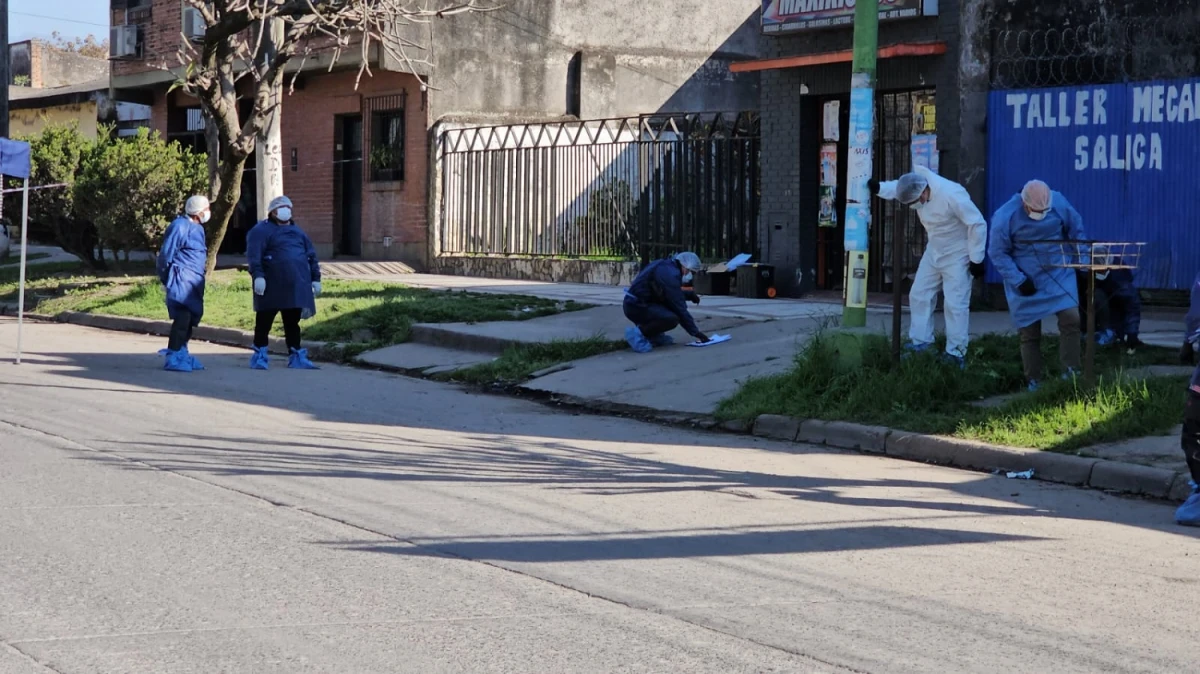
column 537, row 269
column 31, row 122
column 636, row 58
column 54, row 68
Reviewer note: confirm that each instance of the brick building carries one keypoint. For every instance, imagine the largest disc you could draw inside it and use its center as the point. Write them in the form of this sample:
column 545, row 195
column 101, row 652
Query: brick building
column 927, row 84
column 357, row 159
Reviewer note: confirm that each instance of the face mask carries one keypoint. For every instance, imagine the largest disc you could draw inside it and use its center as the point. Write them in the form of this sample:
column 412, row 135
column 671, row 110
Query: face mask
column 1037, row 216
column 205, row 217
column 687, row 278
column 284, row 214
column 1101, row 277
column 917, row 205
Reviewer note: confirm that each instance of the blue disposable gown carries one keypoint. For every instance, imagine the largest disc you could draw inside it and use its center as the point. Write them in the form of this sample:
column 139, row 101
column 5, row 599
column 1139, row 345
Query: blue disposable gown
column 285, row 257
column 181, row 266
column 1016, row 258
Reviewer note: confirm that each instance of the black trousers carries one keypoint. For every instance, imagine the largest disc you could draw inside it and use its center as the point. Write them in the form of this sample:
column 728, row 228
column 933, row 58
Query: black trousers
column 263, row 320
column 181, row 329
column 1190, row 439
column 652, row 319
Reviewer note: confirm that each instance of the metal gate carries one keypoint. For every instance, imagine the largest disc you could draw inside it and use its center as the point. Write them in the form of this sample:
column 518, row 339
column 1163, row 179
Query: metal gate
column 894, row 122
column 617, row 189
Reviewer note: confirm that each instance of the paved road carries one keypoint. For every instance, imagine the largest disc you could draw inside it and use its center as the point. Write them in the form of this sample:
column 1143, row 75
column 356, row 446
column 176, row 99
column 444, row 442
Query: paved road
column 348, row 521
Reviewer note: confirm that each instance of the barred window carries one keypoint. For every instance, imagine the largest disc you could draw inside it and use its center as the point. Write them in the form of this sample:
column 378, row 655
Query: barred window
column 387, row 145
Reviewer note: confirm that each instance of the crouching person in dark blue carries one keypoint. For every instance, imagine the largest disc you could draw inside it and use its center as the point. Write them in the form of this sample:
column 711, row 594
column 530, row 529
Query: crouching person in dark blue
column 1124, row 305
column 656, row 303
column 287, row 279
column 181, row 264
column 1189, row 513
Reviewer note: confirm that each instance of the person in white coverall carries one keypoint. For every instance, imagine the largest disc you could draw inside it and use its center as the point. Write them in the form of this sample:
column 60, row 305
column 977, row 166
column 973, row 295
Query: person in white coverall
column 955, row 253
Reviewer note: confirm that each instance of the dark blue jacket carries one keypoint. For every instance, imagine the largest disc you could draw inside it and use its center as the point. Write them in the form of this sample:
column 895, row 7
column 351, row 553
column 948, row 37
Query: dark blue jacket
column 181, row 265
column 1124, row 301
column 285, row 257
column 1192, row 331
column 662, row 283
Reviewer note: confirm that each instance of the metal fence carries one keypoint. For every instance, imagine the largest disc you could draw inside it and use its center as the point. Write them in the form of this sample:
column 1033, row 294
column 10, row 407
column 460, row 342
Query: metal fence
column 1116, row 49
column 619, row 189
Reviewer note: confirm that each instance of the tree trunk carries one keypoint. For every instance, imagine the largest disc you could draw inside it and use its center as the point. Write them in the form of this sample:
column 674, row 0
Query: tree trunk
column 212, row 141
column 229, row 176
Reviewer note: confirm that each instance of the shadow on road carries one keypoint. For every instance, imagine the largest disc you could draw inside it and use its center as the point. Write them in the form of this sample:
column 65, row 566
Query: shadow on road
column 376, row 419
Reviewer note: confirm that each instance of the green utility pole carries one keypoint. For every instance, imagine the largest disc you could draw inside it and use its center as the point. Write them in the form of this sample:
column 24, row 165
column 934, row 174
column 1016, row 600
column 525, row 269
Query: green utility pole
column 861, row 164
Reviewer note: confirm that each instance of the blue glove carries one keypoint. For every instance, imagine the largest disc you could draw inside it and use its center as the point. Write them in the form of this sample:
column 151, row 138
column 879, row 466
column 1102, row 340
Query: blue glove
column 316, row 288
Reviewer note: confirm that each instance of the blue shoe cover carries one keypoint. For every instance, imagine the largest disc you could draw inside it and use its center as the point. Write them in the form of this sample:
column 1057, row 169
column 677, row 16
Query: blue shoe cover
column 662, row 340
column 956, row 361
column 1189, row 513
column 1033, row 386
column 259, row 359
column 913, row 347
column 196, row 364
column 298, row 360
column 1105, row 338
column 637, row 341
column 178, row 361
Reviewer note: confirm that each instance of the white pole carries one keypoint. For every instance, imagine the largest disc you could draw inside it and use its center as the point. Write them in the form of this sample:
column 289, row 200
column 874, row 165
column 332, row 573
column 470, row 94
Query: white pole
column 24, row 254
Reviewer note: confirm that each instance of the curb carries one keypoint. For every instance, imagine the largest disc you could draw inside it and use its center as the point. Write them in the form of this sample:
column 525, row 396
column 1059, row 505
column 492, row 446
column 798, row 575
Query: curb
column 323, row 351
column 1113, row 476
column 425, row 333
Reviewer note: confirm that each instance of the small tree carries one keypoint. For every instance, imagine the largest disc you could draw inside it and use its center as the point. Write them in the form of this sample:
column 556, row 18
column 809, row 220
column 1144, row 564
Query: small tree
column 236, row 59
column 56, row 156
column 86, row 46
column 135, row 186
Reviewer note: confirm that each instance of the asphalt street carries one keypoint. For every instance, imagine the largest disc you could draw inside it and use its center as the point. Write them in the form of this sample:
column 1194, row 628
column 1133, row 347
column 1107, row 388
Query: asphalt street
column 356, row 522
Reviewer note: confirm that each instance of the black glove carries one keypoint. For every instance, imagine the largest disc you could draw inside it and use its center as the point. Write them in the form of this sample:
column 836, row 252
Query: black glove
column 1027, row 288
column 702, row 338
column 978, row 269
column 1187, row 354
column 692, row 297
column 873, row 185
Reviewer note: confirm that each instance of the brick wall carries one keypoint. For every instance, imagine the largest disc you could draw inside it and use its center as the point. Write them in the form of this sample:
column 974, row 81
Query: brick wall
column 393, row 209
column 160, row 35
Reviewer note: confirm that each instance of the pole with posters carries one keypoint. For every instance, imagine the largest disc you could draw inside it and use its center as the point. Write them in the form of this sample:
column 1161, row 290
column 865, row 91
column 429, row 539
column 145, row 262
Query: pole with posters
column 861, row 163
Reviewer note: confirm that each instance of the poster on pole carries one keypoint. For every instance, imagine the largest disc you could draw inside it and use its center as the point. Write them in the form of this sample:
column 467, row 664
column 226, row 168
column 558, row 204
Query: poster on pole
column 859, row 168
column 789, row 16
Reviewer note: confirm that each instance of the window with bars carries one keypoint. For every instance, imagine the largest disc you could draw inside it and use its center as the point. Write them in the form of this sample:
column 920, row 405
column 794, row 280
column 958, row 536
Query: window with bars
column 387, row 138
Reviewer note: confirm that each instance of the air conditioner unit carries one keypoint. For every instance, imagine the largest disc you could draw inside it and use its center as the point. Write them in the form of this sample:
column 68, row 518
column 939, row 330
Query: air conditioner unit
column 123, row 41
column 193, row 24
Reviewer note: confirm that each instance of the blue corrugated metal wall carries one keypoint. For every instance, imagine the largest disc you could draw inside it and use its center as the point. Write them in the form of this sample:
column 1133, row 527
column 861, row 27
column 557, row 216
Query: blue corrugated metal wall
column 1127, row 157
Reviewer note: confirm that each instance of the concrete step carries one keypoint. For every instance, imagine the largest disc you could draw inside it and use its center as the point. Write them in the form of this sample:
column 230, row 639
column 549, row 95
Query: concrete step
column 423, row 358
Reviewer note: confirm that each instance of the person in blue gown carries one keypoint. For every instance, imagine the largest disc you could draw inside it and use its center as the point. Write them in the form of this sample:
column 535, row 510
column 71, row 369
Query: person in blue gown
column 181, row 265
column 287, row 279
column 1027, row 250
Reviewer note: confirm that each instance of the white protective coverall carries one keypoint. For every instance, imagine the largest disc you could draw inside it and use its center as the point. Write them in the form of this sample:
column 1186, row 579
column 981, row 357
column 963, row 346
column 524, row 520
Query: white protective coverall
column 957, row 235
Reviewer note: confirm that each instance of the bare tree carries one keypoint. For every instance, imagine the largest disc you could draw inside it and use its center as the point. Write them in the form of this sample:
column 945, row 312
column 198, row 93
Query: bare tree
column 234, row 61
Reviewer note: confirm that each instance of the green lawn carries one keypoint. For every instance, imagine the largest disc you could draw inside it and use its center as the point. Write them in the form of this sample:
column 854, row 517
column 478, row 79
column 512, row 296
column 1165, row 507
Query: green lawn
column 851, row 378
column 362, row 314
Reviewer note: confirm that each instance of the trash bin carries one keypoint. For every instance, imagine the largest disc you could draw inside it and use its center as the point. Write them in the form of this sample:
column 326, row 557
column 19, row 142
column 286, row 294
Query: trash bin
column 756, row 281
column 712, row 282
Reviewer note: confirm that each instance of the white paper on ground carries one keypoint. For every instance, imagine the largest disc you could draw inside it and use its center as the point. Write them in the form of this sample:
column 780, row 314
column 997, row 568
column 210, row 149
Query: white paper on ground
column 715, row 339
